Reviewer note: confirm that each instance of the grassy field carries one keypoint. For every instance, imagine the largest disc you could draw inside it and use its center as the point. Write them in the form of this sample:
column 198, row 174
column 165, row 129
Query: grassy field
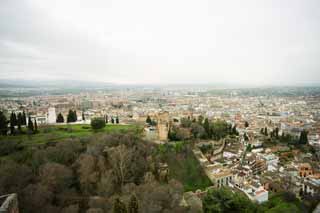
column 55, row 133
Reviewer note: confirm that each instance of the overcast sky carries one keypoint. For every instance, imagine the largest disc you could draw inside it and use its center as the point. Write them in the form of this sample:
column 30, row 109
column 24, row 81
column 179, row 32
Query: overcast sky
column 161, row 41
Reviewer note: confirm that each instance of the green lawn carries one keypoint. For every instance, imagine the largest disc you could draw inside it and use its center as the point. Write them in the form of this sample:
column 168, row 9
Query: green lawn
column 56, row 133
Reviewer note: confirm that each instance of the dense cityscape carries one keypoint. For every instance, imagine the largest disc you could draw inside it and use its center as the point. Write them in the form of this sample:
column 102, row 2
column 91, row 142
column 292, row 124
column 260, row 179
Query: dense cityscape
column 255, row 142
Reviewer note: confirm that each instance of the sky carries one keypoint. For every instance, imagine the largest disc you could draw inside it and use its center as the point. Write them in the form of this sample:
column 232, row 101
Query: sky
column 265, row 42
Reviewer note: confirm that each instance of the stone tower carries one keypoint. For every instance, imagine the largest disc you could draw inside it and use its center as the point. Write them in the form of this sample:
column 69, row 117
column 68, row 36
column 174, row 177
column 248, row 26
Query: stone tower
column 163, row 125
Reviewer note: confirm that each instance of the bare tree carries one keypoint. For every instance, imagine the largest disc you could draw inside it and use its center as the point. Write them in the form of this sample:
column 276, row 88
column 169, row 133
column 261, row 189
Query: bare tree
column 120, row 160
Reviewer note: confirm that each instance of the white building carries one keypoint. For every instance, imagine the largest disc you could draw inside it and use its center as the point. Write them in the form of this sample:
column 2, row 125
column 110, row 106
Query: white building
column 272, row 161
column 52, row 115
column 258, row 194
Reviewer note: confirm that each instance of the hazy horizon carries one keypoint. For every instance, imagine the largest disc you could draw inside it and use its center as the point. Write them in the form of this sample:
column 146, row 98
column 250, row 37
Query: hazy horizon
column 161, row 42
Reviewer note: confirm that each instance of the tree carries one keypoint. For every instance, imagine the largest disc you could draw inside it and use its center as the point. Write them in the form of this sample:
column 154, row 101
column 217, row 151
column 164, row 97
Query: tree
column 276, row 132
column 119, row 206
column 303, row 137
column 266, row 131
column 87, row 173
column 182, row 134
column 14, row 176
column 185, row 122
column 83, row 117
column 234, row 130
column 120, row 158
column 179, row 134
column 24, row 118
column 13, row 119
column 224, row 200
column 30, row 125
column 206, row 126
column 117, row 120
column 75, row 118
column 133, row 204
column 3, row 124
column 107, row 119
column 35, row 126
column 219, row 129
column 35, row 196
column 60, row 118
column 246, row 124
column 56, row 177
column 198, row 131
column 13, row 122
column 72, row 116
column 148, row 120
column 200, row 119
column 112, row 120
column 19, row 121
column 98, row 123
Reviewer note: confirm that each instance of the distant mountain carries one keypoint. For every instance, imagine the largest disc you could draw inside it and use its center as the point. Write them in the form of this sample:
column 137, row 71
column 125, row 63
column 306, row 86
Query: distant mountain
column 67, row 84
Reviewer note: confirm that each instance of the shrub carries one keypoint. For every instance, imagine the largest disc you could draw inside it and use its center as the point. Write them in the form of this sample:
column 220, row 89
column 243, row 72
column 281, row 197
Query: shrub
column 7, row 147
column 98, row 123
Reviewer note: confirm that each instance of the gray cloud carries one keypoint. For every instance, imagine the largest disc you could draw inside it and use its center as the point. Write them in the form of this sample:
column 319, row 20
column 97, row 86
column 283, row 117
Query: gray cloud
column 143, row 41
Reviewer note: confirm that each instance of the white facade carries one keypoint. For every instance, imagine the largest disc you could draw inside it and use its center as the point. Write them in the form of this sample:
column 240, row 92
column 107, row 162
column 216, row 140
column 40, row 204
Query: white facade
column 52, row 115
column 259, row 194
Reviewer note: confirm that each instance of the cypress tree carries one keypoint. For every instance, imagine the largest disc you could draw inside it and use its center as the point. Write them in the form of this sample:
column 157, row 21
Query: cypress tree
column 148, row 120
column 20, row 120
column 83, row 118
column 60, row 118
column 19, row 125
column 303, row 137
column 3, row 124
column 13, row 122
column 75, row 118
column 133, row 205
column 117, row 120
column 206, row 126
column 107, row 119
column 262, row 131
column 234, row 130
column 70, row 116
column 30, row 125
column 24, row 118
column 112, row 120
column 35, row 126
column 277, row 132
column 13, row 119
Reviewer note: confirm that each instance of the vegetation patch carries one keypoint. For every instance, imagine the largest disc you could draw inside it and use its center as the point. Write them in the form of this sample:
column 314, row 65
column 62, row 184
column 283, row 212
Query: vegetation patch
column 183, row 166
